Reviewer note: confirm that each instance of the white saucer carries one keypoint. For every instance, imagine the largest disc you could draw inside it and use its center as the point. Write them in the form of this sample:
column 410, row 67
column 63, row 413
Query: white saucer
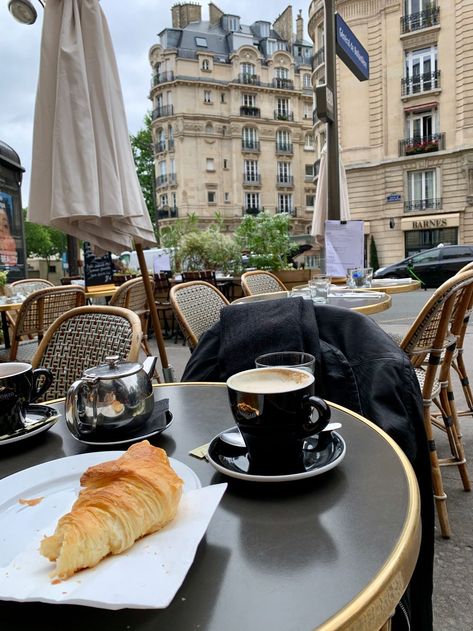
column 233, row 461
column 39, row 418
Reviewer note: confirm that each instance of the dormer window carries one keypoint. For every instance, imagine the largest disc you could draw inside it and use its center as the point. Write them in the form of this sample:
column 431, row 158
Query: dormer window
column 201, row 42
column 231, row 23
column 205, row 65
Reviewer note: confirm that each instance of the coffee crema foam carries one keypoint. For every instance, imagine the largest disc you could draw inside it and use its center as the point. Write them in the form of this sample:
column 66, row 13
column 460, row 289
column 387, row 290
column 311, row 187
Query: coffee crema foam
column 270, row 380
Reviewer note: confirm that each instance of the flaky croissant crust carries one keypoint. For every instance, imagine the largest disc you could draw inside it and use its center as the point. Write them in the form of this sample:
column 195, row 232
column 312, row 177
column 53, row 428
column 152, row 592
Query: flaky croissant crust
column 122, row 500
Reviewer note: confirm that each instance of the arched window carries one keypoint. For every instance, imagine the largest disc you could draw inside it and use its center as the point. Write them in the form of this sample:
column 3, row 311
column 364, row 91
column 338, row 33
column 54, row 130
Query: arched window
column 209, row 128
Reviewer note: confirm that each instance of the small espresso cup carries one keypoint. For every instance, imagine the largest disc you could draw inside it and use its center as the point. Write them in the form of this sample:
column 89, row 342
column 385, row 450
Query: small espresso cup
column 275, row 410
column 19, row 386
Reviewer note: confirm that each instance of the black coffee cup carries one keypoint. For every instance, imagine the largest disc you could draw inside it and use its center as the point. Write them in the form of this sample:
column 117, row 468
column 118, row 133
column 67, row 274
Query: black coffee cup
column 18, row 387
column 275, row 410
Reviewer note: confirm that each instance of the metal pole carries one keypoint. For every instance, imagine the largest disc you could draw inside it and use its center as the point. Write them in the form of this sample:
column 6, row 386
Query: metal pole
column 333, row 168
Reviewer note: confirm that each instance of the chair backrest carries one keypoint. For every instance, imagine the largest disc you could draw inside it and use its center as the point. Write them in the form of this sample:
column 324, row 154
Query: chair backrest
column 260, row 282
column 197, row 307
column 39, row 310
column 28, row 285
column 162, row 286
column 83, row 338
column 190, row 276
column 132, row 295
column 439, row 321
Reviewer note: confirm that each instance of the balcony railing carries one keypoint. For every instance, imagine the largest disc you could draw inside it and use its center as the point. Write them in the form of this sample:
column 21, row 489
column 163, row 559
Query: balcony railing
column 434, row 203
column 170, row 145
column 162, row 180
column 252, row 210
column 285, row 181
column 159, row 147
column 319, row 58
column 291, row 211
column 420, row 83
column 421, row 144
column 172, row 179
column 283, row 84
column 250, row 145
column 246, row 110
column 248, row 79
column 283, row 116
column 164, row 110
column 251, row 180
column 163, row 77
column 422, row 19
column 284, row 148
column 168, row 213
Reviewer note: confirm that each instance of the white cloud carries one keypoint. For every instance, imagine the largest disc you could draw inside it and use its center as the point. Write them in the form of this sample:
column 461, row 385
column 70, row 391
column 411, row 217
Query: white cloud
column 134, row 28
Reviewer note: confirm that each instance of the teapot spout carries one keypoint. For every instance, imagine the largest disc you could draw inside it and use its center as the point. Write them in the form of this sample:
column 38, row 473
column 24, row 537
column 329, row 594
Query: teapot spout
column 149, row 365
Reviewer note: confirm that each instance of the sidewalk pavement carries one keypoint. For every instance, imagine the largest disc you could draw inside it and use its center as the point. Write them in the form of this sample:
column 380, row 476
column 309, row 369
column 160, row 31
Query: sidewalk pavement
column 453, row 564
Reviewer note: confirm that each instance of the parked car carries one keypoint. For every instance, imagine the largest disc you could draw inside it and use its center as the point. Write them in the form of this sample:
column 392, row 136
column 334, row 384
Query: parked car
column 433, row 267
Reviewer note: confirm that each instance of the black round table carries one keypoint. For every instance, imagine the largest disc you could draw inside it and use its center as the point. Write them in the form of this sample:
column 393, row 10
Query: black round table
column 332, row 551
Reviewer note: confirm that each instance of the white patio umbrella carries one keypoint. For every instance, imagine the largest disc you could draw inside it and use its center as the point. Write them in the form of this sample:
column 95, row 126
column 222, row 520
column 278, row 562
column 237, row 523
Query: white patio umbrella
column 321, row 198
column 83, row 178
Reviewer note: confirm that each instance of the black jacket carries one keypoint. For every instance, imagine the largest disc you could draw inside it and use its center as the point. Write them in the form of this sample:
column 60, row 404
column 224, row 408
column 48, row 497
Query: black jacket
column 358, row 366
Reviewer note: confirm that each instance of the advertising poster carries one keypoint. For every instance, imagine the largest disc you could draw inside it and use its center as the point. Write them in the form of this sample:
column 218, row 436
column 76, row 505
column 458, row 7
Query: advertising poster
column 8, row 247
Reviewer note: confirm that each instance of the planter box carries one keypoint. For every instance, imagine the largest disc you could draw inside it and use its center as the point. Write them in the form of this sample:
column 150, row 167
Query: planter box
column 293, row 277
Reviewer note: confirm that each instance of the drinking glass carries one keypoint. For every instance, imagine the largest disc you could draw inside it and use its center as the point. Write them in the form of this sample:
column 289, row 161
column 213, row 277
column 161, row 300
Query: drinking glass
column 319, row 287
column 288, row 359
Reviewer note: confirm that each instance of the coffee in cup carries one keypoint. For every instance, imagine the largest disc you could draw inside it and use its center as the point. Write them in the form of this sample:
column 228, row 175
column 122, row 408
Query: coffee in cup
column 275, row 410
column 19, row 386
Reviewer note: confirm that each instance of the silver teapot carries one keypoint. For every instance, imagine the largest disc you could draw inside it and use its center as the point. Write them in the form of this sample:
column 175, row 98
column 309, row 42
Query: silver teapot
column 113, row 398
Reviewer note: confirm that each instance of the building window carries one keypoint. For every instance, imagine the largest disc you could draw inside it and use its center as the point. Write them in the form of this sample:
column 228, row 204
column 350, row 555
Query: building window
column 422, row 190
column 210, row 164
column 209, row 128
column 249, row 138
column 252, row 201
column 222, row 97
column 419, row 14
column 421, row 74
column 250, row 171
column 306, row 83
column 310, row 201
column 211, row 197
column 225, row 163
column 206, row 65
column 207, row 96
column 282, row 107
column 226, row 197
column 309, row 172
column 284, row 202
column 309, row 142
column 284, row 172
column 418, row 240
column 248, row 100
column 201, row 42
column 248, row 73
column 281, row 73
column 163, row 200
column 283, row 140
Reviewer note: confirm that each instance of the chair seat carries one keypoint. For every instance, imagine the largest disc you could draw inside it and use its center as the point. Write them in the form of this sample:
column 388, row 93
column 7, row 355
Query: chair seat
column 420, row 374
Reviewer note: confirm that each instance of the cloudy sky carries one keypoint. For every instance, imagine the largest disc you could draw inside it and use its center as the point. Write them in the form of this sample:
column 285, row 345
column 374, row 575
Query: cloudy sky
column 134, row 25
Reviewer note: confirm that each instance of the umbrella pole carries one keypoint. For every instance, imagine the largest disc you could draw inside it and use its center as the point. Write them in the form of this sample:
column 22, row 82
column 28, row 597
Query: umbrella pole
column 168, row 371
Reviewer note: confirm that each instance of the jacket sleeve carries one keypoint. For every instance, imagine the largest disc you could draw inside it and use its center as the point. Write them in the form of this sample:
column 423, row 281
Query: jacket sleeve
column 203, row 364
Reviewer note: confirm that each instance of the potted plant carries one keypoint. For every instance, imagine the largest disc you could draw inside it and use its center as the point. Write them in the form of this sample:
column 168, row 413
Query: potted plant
column 3, row 281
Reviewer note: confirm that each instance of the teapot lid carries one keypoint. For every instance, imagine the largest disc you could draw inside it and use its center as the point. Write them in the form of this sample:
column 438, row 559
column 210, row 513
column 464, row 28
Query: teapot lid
column 114, row 368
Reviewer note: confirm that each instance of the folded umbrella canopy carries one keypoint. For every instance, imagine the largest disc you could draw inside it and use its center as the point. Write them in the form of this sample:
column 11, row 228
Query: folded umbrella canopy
column 83, row 177
column 321, row 197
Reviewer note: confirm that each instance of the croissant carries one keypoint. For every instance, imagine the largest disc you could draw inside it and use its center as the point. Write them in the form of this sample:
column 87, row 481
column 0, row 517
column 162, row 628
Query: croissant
column 122, row 500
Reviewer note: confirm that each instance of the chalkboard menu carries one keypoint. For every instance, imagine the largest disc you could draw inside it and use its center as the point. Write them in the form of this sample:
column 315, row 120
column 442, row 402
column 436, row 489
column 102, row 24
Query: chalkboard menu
column 98, row 270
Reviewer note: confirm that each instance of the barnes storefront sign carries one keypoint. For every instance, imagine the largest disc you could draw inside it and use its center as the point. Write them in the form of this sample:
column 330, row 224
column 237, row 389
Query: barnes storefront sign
column 421, row 224
column 431, row 223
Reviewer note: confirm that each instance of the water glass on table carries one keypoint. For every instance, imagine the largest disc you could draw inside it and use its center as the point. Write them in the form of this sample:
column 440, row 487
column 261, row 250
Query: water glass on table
column 319, row 288
column 287, row 359
column 359, row 277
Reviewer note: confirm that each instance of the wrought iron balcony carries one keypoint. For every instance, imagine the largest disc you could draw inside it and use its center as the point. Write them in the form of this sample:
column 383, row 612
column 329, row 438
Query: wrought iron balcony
column 283, row 116
column 172, row 179
column 170, row 145
column 319, row 58
column 421, row 144
column 252, row 210
column 253, row 179
column 161, row 180
column 159, row 147
column 249, row 79
column 163, row 77
column 250, row 145
column 168, row 212
column 164, row 110
column 420, row 83
column 434, row 203
column 283, row 84
column 284, row 148
column 246, row 110
column 285, row 181
column 291, row 211
column 420, row 20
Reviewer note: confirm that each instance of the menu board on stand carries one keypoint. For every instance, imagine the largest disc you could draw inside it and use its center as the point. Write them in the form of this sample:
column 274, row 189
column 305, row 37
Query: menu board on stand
column 98, row 270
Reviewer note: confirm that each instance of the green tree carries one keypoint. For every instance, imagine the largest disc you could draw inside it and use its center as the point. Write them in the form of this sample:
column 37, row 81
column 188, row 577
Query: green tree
column 374, row 262
column 266, row 238
column 143, row 155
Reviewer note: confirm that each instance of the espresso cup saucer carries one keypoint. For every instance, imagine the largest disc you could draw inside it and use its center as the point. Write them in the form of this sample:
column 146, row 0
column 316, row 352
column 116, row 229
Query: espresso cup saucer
column 39, row 418
column 153, row 426
column 319, row 457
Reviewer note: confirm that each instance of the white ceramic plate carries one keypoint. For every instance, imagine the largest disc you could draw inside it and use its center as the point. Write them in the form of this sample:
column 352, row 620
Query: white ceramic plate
column 146, row 576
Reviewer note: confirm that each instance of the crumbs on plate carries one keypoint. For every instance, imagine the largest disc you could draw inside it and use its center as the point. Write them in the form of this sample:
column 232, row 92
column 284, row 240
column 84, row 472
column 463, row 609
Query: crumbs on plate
column 32, row 502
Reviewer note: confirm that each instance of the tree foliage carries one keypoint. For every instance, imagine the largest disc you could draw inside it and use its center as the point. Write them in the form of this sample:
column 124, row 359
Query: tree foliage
column 374, row 262
column 43, row 241
column 209, row 249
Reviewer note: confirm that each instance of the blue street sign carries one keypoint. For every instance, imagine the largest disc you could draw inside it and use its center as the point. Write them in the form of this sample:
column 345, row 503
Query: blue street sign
column 393, row 197
column 350, row 51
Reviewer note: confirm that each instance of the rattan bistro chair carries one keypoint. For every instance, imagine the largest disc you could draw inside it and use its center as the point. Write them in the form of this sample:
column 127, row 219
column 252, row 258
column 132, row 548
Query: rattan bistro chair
column 132, row 295
column 458, row 363
column 260, row 282
column 197, row 307
column 37, row 312
column 25, row 287
column 82, row 338
column 430, row 344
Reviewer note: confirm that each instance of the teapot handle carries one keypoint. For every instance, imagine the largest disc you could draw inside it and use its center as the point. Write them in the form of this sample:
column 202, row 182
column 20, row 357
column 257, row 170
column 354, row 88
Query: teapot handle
column 72, row 411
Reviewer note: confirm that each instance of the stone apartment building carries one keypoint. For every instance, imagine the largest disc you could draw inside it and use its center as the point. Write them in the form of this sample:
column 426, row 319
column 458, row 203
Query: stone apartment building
column 407, row 133
column 232, row 117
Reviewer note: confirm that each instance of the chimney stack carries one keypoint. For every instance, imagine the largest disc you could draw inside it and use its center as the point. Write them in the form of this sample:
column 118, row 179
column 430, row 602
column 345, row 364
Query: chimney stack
column 185, row 13
column 299, row 27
